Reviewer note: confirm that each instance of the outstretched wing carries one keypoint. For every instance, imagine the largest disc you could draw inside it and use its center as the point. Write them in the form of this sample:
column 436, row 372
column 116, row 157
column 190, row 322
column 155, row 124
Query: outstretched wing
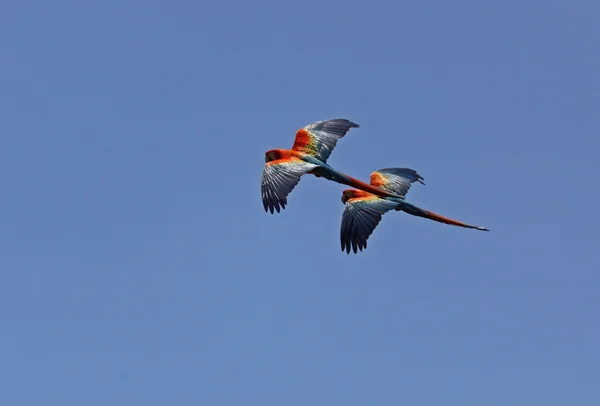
column 361, row 216
column 319, row 138
column 279, row 178
column 395, row 180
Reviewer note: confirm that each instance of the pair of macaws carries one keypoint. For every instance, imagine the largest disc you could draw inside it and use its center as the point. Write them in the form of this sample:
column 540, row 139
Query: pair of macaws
column 363, row 207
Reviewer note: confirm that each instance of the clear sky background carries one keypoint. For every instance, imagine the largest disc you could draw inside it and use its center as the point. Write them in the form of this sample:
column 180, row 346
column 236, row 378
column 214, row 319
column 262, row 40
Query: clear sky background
column 138, row 267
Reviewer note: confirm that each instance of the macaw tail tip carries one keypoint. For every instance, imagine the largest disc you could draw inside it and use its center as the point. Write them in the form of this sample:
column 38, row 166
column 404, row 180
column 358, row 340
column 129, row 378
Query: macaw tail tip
column 483, row 229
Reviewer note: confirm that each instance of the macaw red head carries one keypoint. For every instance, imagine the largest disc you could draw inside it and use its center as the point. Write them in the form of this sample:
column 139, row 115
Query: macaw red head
column 348, row 194
column 356, row 194
column 272, row 155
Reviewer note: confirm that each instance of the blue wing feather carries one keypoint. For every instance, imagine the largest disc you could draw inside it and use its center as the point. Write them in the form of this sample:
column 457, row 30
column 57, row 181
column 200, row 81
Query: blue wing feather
column 279, row 178
column 323, row 136
column 359, row 219
column 396, row 180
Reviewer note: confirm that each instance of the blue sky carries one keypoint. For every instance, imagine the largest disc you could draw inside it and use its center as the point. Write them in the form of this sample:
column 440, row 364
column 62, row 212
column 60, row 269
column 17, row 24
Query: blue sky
column 137, row 266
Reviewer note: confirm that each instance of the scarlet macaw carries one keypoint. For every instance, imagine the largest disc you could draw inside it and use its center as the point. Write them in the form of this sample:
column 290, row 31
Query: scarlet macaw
column 363, row 211
column 313, row 145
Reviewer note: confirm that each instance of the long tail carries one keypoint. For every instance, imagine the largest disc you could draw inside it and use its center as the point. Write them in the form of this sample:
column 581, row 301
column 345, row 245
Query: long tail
column 328, row 172
column 419, row 212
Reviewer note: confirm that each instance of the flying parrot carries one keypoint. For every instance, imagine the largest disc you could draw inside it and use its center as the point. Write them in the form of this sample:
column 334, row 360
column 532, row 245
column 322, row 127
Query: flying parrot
column 313, row 145
column 363, row 211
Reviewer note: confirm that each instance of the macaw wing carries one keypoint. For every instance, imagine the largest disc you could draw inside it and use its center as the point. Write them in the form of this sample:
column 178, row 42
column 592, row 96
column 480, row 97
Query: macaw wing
column 360, row 217
column 279, row 178
column 318, row 139
column 395, row 180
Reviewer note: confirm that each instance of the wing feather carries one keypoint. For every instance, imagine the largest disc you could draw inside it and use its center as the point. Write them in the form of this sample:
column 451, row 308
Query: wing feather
column 279, row 178
column 396, row 180
column 318, row 139
column 359, row 219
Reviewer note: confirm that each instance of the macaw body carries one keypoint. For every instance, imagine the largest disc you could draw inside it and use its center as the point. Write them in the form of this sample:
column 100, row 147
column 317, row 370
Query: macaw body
column 312, row 147
column 363, row 211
